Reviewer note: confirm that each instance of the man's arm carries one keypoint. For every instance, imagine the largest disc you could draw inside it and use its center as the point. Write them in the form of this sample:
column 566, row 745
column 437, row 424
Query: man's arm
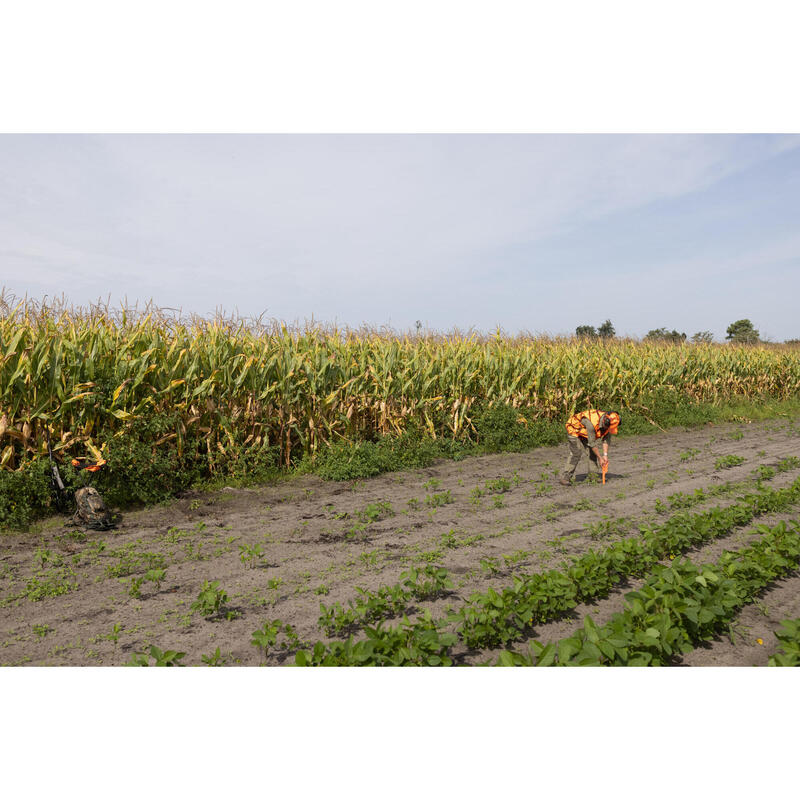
column 593, row 441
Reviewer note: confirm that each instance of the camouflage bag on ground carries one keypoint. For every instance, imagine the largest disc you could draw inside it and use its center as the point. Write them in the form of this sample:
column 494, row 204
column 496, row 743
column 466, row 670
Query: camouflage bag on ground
column 91, row 510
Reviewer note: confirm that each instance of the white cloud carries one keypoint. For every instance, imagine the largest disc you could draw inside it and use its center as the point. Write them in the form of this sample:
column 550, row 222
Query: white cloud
column 324, row 225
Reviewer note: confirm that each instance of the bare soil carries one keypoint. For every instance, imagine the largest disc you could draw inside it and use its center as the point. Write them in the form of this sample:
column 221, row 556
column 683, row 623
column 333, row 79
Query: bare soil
column 320, row 540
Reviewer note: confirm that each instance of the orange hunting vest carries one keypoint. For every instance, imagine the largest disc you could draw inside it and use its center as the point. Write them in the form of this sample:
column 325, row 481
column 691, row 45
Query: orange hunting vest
column 574, row 427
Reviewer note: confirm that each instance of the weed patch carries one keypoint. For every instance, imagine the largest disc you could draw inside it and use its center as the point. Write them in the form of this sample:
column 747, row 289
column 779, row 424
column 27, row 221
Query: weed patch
column 726, row 462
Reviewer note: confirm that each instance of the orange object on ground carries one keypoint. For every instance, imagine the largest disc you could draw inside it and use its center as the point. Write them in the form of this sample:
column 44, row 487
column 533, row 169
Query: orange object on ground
column 89, row 467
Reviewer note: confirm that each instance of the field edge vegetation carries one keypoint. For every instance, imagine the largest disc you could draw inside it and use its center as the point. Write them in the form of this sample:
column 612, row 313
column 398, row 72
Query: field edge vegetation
column 173, row 404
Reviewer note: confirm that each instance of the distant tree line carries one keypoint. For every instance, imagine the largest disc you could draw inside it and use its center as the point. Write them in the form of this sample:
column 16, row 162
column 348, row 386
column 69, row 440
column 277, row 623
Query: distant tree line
column 663, row 335
column 742, row 332
column 605, row 331
column 739, row 332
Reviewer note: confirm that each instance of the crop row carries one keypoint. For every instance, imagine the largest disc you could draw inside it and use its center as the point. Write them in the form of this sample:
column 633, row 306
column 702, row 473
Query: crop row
column 241, row 387
column 495, row 618
column 505, row 617
column 390, row 601
column 789, row 637
column 684, row 500
column 679, row 606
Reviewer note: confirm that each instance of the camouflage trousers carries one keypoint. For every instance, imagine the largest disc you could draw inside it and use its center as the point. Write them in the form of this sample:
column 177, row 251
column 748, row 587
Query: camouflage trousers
column 577, row 447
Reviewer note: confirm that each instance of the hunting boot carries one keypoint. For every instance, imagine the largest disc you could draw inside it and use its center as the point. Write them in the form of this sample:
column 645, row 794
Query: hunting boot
column 564, row 479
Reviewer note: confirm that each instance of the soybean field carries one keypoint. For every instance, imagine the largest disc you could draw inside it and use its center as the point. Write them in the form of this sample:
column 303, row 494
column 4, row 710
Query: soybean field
column 688, row 555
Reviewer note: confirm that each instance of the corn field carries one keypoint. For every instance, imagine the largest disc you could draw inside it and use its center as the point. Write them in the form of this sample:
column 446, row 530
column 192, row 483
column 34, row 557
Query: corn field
column 241, row 385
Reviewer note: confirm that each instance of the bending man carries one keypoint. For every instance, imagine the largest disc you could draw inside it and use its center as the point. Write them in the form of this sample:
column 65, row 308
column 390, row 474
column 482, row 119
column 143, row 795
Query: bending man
column 587, row 431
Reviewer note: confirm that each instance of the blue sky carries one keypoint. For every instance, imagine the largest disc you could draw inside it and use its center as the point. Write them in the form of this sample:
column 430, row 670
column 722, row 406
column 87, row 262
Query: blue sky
column 528, row 232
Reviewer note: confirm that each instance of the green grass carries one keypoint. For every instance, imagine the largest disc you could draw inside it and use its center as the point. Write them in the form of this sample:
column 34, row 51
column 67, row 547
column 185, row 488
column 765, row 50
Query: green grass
column 25, row 494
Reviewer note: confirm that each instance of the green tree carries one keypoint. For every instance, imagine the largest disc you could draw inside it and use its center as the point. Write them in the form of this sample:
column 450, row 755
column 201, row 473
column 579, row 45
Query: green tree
column 606, row 330
column 585, row 330
column 663, row 335
column 742, row 332
column 703, row 337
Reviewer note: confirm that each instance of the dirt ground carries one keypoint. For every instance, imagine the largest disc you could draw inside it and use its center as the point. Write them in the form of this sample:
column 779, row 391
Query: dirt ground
column 310, row 541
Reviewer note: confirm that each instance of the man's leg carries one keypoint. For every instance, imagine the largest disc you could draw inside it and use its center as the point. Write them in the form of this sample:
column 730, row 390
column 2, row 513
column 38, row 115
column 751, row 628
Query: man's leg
column 594, row 469
column 573, row 459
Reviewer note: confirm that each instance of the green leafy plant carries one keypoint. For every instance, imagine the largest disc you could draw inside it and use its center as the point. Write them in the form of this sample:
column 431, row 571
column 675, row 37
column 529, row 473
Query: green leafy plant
column 130, row 561
column 370, row 558
column 426, row 584
column 440, row 499
column 266, row 636
column 161, row 658
column 765, row 473
column 375, row 511
column 452, row 541
column 155, row 576
column 789, row 637
column 388, row 601
column 550, row 512
column 50, row 582
column 210, row 600
column 726, row 462
column 113, row 636
column 45, row 556
column 357, row 532
column 678, row 607
column 491, row 618
column 215, row 659
column 490, row 565
column 514, row 558
column 366, row 607
column 420, row 643
column 607, row 527
column 75, row 536
column 496, row 486
column 430, row 556
column 42, row 630
column 250, row 554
